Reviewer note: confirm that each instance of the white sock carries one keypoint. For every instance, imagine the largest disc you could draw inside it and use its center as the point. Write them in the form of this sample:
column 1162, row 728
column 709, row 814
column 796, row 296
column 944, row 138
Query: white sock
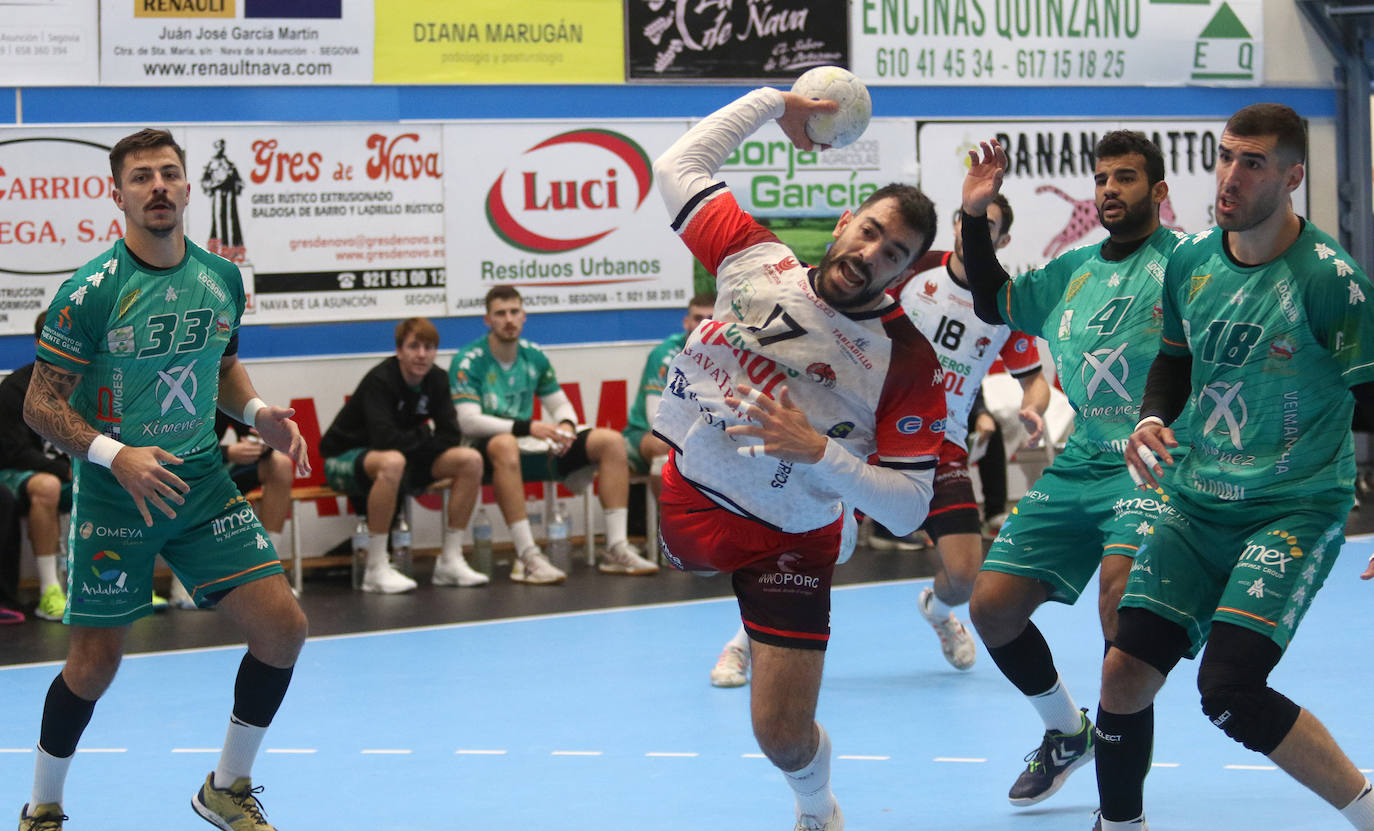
column 277, row 540
column 938, row 607
column 46, row 566
column 521, row 535
column 1137, row 824
column 1360, row 811
column 49, row 775
column 616, row 521
column 811, row 784
column 241, row 745
column 376, row 552
column 741, row 639
column 453, row 545
column 1056, row 709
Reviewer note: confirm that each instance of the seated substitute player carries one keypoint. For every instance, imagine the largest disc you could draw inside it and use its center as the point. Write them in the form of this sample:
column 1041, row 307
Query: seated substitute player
column 1098, row 308
column 1269, row 327
column 143, row 342
column 645, row 451
column 494, row 381
column 382, row 446
column 40, row 477
column 937, row 299
column 772, row 410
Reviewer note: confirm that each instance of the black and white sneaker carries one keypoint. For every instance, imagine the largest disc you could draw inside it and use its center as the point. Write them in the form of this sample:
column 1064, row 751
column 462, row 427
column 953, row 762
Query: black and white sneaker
column 1050, row 764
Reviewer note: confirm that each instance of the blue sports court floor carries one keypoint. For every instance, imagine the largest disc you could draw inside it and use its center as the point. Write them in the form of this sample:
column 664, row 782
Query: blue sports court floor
column 604, row 720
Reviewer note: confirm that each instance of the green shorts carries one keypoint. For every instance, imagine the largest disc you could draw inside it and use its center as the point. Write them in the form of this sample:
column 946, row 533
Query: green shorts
column 638, row 464
column 214, row 543
column 341, row 471
column 1074, row 516
column 16, row 480
column 1252, row 566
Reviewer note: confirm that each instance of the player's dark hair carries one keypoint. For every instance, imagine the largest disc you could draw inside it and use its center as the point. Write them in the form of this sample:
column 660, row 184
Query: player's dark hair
column 420, row 327
column 1000, row 200
column 1119, row 143
column 703, row 298
column 502, row 293
column 146, row 139
column 916, row 209
column 1273, row 120
column 38, row 324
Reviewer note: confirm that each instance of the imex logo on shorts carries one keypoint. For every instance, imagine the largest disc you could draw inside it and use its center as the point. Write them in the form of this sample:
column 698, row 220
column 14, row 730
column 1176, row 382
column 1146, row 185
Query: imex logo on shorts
column 560, row 186
column 111, row 577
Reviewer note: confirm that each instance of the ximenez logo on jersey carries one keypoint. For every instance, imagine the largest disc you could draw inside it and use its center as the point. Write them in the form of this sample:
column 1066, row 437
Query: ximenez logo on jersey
column 558, row 203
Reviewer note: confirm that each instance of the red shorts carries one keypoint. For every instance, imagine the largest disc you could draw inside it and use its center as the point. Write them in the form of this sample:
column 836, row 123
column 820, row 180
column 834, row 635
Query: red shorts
column 781, row 580
column 953, row 508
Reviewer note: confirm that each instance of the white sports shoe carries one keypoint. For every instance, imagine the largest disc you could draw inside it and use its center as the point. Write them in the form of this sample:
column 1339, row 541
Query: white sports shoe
column 806, row 822
column 458, row 573
column 531, row 566
column 623, row 558
column 955, row 640
column 732, row 667
column 387, row 580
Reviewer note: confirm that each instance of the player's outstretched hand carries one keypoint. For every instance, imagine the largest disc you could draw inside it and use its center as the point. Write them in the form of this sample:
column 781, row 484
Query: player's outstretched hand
column 275, row 426
column 1034, row 424
column 984, row 177
column 1149, row 444
column 141, row 472
column 793, row 119
column 782, row 426
column 1369, row 570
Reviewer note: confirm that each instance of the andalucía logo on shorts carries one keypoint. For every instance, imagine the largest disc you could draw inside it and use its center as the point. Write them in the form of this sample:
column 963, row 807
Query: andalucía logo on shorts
column 113, row 577
column 568, row 190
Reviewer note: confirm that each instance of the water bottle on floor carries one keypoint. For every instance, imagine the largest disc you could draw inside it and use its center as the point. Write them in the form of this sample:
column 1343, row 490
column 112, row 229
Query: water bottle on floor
column 481, row 541
column 560, row 546
column 400, row 546
column 360, row 540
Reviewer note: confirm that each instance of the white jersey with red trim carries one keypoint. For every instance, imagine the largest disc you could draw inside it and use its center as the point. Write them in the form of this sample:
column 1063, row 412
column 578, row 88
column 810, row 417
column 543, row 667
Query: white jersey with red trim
column 869, row 381
column 966, row 346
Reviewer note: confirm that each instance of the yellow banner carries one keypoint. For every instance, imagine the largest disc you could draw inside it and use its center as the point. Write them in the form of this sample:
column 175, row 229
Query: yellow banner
column 184, row 8
column 500, row 42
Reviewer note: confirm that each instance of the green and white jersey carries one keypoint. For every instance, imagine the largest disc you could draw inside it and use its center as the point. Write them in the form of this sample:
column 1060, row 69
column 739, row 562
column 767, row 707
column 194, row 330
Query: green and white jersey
column 1101, row 319
column 475, row 376
column 1275, row 348
column 651, row 382
column 148, row 344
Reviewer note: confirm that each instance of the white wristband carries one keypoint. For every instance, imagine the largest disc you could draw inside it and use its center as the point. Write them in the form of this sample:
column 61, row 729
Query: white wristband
column 1149, row 420
column 103, row 449
column 250, row 411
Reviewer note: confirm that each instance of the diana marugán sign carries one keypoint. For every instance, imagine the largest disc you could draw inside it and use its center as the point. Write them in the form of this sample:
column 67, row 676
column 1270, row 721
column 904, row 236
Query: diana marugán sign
column 686, row 40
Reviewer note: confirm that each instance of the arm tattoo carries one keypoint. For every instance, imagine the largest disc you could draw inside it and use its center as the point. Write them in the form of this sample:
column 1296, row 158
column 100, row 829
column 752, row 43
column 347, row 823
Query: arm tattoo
column 50, row 415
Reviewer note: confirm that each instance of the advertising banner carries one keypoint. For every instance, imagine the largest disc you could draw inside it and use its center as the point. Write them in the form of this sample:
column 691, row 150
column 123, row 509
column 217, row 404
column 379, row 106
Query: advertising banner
column 800, row 195
column 566, row 213
column 499, row 42
column 235, row 42
column 56, row 214
column 689, row 40
column 328, row 222
column 49, row 43
column 1059, row 42
column 1050, row 180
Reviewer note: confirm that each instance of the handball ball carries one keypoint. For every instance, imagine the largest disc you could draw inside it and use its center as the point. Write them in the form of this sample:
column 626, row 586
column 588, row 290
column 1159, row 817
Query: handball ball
column 837, row 84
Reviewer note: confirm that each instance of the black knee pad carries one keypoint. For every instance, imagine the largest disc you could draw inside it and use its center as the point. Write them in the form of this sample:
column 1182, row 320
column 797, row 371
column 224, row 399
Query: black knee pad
column 1236, row 695
column 1148, row 637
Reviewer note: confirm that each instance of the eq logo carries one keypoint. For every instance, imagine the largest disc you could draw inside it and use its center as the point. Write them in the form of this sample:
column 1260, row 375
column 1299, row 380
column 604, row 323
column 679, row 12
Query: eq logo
column 910, row 424
column 567, row 194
